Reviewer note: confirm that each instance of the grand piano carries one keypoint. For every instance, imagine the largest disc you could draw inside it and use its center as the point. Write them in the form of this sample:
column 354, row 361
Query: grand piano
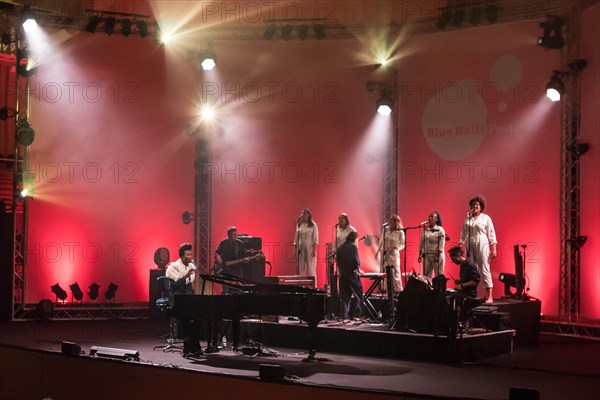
column 251, row 299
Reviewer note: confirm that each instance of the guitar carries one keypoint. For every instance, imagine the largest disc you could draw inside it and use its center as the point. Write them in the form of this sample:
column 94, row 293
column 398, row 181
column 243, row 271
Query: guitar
column 218, row 267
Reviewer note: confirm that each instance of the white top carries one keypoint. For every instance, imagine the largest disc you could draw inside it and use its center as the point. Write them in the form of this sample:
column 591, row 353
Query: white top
column 394, row 242
column 481, row 230
column 433, row 241
column 176, row 270
column 341, row 234
column 306, row 237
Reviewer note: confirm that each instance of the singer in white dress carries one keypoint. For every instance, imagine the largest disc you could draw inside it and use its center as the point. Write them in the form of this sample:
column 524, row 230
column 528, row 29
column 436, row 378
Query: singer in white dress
column 393, row 235
column 183, row 271
column 342, row 230
column 479, row 235
column 431, row 249
column 306, row 241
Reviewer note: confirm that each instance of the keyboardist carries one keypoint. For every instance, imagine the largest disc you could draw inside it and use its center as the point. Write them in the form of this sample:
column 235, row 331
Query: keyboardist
column 348, row 268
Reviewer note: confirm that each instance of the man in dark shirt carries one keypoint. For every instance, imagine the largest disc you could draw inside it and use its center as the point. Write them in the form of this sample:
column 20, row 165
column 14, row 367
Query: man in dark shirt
column 348, row 268
column 230, row 251
column 469, row 276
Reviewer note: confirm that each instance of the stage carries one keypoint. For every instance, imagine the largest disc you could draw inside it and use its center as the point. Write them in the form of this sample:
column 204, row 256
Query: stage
column 361, row 363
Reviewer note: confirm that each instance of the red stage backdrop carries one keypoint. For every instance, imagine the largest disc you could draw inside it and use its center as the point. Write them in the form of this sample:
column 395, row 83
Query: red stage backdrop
column 296, row 127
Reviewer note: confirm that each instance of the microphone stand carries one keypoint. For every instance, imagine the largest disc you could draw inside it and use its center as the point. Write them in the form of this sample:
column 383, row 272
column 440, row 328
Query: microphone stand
column 404, row 250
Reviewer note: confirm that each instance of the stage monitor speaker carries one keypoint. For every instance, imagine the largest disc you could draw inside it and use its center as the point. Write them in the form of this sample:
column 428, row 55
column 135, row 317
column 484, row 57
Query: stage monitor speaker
column 120, row 354
column 518, row 393
column 70, row 349
column 271, row 372
column 496, row 321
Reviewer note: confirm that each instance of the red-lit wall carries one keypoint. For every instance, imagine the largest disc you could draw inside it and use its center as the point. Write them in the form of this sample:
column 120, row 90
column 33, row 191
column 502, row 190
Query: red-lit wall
column 296, row 128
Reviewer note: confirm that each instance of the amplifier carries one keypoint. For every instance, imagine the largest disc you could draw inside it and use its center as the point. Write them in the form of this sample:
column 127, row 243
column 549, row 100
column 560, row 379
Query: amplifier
column 305, row 281
column 251, row 243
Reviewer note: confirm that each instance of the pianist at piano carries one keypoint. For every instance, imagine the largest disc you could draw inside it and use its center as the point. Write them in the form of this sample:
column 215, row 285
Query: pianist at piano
column 183, row 271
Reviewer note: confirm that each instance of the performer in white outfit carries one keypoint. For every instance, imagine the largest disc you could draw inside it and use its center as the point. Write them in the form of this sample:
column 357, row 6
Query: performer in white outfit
column 306, row 241
column 480, row 237
column 431, row 249
column 183, row 271
column 393, row 234
column 342, row 230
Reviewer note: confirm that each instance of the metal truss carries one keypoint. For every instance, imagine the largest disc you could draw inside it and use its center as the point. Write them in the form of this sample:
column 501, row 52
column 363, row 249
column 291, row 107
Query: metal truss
column 582, row 331
column 202, row 204
column 86, row 312
column 570, row 214
column 389, row 197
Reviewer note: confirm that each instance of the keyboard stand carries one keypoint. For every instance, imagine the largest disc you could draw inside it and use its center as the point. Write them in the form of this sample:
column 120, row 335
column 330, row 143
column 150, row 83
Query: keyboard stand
column 376, row 279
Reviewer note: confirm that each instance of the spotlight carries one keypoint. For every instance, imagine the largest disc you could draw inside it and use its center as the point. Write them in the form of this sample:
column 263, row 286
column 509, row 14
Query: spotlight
column 286, row 32
column 76, row 291
column 126, row 27
column 92, row 24
column 6, row 113
column 445, row 18
column 579, row 149
column 142, row 27
column 385, row 105
column 187, row 217
column 58, row 292
column 162, row 257
column 24, row 64
column 209, row 60
column 549, row 40
column 28, row 18
column 577, row 241
column 270, row 31
column 109, row 25
column 555, row 87
column 475, row 16
column 491, row 12
column 111, row 291
column 303, row 32
column 93, row 293
column 509, row 280
column 459, row 17
column 319, row 30
column 25, row 134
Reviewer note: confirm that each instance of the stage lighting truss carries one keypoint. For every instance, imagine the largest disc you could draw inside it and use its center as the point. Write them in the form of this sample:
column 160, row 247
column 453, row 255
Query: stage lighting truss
column 287, row 27
column 116, row 22
column 456, row 15
column 555, row 88
column 552, row 36
column 385, row 103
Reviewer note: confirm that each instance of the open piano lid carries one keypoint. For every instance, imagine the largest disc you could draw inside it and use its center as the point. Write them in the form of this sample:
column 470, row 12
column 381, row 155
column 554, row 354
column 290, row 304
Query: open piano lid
column 247, row 285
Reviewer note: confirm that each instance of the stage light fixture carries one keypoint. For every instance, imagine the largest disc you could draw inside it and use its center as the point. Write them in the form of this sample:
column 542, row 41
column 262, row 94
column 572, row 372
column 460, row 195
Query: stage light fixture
column 6, row 113
column 385, row 103
column 492, row 12
column 25, row 133
column 445, row 17
column 286, row 32
column 187, row 217
column 555, row 87
column 142, row 28
column 319, row 30
column 109, row 25
column 76, row 291
column 270, row 31
column 385, row 106
column 475, row 16
column 111, row 291
column 579, row 149
column 552, row 36
column 162, row 257
column 208, row 60
column 92, row 24
column 28, row 18
column 577, row 241
column 45, row 309
column 25, row 66
column 93, row 293
column 58, row 292
column 126, row 27
column 303, row 32
column 459, row 17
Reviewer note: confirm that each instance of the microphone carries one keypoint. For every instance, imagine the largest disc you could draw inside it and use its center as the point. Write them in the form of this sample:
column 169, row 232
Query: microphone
column 424, row 223
column 386, row 224
column 471, row 211
column 362, row 238
column 338, row 224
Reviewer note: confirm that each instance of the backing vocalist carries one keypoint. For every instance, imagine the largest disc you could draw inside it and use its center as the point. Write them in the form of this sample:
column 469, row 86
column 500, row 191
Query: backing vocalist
column 431, row 249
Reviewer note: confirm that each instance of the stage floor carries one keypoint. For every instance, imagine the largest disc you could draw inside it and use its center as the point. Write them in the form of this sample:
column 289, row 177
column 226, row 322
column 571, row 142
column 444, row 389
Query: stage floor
column 558, row 367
